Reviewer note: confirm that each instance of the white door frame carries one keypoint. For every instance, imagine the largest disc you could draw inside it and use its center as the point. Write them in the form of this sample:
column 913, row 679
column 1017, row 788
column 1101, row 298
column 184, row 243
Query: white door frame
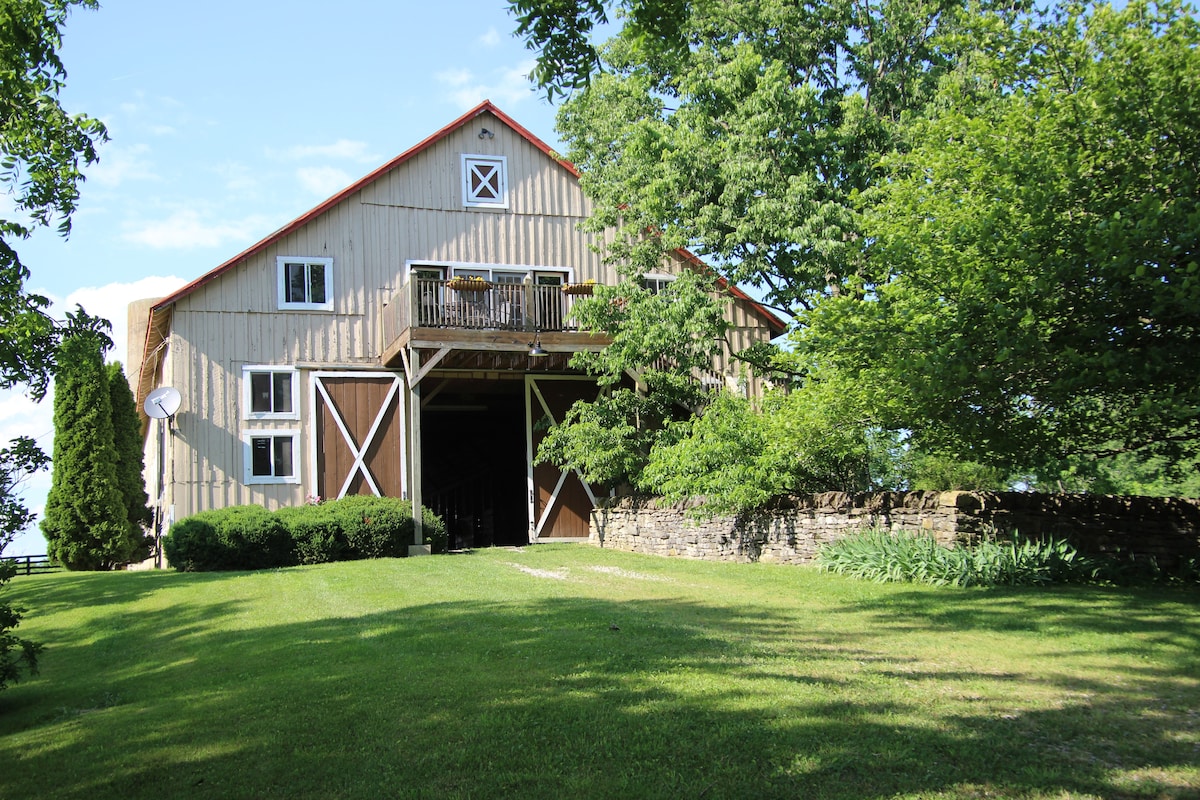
column 316, row 388
column 536, row 523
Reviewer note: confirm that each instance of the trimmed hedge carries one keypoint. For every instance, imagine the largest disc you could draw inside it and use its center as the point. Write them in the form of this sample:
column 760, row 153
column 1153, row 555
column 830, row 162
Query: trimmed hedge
column 250, row 537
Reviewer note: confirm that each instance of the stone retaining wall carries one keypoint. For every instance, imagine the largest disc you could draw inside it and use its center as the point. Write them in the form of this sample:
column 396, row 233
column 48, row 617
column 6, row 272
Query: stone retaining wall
column 1166, row 528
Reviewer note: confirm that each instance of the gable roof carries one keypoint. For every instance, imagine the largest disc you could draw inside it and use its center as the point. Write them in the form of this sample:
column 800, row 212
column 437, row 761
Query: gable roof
column 160, row 312
column 486, row 107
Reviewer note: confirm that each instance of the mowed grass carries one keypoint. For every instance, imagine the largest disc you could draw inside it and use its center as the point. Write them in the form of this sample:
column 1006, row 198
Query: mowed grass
column 566, row 671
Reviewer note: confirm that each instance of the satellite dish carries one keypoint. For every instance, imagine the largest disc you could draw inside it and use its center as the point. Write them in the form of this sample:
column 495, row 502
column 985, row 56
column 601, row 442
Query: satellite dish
column 162, row 403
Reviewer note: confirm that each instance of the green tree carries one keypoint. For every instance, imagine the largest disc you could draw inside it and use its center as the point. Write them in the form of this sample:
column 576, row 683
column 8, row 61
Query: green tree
column 42, row 150
column 982, row 216
column 660, row 340
column 1037, row 291
column 18, row 461
column 131, row 465
column 746, row 131
column 736, row 456
column 86, row 521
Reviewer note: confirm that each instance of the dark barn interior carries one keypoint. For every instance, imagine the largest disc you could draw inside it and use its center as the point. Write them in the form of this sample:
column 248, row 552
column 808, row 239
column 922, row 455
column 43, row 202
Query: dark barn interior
column 473, row 460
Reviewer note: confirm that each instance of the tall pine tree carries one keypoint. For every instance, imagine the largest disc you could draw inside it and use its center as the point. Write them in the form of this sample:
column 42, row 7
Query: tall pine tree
column 86, row 521
column 131, row 464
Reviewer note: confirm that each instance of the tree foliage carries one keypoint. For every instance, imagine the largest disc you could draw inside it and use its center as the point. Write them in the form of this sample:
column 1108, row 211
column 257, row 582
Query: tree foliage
column 659, row 341
column 42, row 151
column 127, row 442
column 1036, row 291
column 18, row 461
column 747, row 136
column 87, row 520
column 982, row 217
column 738, row 455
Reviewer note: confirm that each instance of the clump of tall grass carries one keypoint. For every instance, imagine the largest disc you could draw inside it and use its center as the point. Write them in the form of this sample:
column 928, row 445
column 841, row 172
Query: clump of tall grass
column 904, row 557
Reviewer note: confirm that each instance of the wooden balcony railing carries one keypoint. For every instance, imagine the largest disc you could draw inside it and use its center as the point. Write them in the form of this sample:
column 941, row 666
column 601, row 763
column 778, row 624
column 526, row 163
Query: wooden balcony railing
column 429, row 303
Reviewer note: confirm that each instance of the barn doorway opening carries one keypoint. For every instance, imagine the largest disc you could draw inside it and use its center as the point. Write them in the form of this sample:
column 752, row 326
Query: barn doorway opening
column 473, row 460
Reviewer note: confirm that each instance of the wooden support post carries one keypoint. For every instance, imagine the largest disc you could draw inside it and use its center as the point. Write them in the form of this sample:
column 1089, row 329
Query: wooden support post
column 419, row 547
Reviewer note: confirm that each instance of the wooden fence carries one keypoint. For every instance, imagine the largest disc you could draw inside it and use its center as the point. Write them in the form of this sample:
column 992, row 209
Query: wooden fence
column 31, row 565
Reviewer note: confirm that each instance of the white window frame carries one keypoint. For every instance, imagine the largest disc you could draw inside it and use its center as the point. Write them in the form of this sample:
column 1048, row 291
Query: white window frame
column 471, row 198
column 659, row 278
column 281, row 267
column 487, row 271
column 248, row 437
column 248, row 394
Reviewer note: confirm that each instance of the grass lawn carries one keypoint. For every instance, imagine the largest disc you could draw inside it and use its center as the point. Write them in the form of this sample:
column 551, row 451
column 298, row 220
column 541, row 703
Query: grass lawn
column 565, row 671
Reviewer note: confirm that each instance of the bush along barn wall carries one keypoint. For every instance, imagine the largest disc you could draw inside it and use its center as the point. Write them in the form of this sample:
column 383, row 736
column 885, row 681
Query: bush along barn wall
column 1166, row 529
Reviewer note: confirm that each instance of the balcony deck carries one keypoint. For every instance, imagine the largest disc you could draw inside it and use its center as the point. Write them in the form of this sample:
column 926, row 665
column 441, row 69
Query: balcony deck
column 487, row 325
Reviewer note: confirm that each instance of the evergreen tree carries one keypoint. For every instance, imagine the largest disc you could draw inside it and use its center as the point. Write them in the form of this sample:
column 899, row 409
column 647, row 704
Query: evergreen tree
column 86, row 522
column 131, row 465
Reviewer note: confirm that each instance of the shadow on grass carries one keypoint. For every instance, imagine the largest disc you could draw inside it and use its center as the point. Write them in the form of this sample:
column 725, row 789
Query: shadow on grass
column 1136, row 617
column 562, row 697
column 66, row 590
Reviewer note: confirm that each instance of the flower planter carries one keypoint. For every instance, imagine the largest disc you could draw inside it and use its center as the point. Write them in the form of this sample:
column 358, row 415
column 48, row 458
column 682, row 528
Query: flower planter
column 468, row 285
column 578, row 288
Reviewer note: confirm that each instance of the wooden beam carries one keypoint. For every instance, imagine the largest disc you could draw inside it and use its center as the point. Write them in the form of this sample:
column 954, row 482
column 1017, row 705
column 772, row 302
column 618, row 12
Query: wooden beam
column 422, row 371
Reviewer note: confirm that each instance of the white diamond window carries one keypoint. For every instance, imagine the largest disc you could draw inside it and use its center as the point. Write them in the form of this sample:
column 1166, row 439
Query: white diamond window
column 485, row 181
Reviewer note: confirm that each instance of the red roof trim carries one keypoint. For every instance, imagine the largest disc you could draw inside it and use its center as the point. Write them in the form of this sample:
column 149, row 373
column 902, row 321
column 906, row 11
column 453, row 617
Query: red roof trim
column 485, row 107
column 773, row 322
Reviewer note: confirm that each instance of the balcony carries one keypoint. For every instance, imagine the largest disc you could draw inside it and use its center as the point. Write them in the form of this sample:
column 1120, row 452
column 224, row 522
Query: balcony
column 493, row 322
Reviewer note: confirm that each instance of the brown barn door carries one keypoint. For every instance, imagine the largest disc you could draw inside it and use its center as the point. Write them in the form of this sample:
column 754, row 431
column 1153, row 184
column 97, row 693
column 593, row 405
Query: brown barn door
column 359, row 437
column 560, row 503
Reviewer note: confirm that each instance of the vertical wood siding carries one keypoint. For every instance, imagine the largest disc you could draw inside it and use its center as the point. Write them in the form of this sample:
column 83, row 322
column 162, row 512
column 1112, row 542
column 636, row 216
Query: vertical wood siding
column 414, row 213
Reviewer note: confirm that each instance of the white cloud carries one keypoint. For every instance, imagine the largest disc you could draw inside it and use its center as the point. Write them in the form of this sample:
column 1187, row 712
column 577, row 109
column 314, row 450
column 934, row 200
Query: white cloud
column 491, row 38
column 119, row 164
column 186, row 228
column 341, row 149
column 323, row 181
column 239, row 179
column 112, row 302
column 508, row 87
column 21, row 416
column 455, row 77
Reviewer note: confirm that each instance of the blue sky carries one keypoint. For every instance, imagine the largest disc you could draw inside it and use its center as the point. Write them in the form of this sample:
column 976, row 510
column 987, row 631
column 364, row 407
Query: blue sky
column 229, row 119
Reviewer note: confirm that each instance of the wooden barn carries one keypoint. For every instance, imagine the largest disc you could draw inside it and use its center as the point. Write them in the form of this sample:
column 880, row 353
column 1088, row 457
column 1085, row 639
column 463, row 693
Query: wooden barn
column 403, row 338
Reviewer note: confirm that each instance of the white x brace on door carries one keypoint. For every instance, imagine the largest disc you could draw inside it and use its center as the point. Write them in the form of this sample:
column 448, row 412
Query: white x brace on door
column 358, row 434
column 560, row 502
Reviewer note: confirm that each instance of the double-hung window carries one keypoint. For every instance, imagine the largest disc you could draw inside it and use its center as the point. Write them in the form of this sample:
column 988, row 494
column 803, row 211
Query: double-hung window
column 305, row 284
column 269, row 392
column 271, row 456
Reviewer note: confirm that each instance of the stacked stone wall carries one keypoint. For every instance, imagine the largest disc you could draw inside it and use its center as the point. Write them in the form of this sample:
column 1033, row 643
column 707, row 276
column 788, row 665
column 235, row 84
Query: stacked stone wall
column 1167, row 529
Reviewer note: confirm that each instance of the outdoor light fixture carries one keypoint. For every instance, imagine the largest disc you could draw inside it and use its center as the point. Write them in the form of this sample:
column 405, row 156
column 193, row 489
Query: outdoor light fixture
column 486, row 134
column 535, row 348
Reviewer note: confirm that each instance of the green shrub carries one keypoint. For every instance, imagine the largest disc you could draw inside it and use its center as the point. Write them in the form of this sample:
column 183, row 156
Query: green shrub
column 192, row 544
column 235, row 538
column 16, row 654
column 316, row 536
column 903, row 557
column 250, row 537
column 434, row 530
column 374, row 527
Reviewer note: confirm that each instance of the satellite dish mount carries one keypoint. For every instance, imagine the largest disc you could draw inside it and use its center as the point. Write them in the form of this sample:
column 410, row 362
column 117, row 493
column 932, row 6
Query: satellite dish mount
column 162, row 403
